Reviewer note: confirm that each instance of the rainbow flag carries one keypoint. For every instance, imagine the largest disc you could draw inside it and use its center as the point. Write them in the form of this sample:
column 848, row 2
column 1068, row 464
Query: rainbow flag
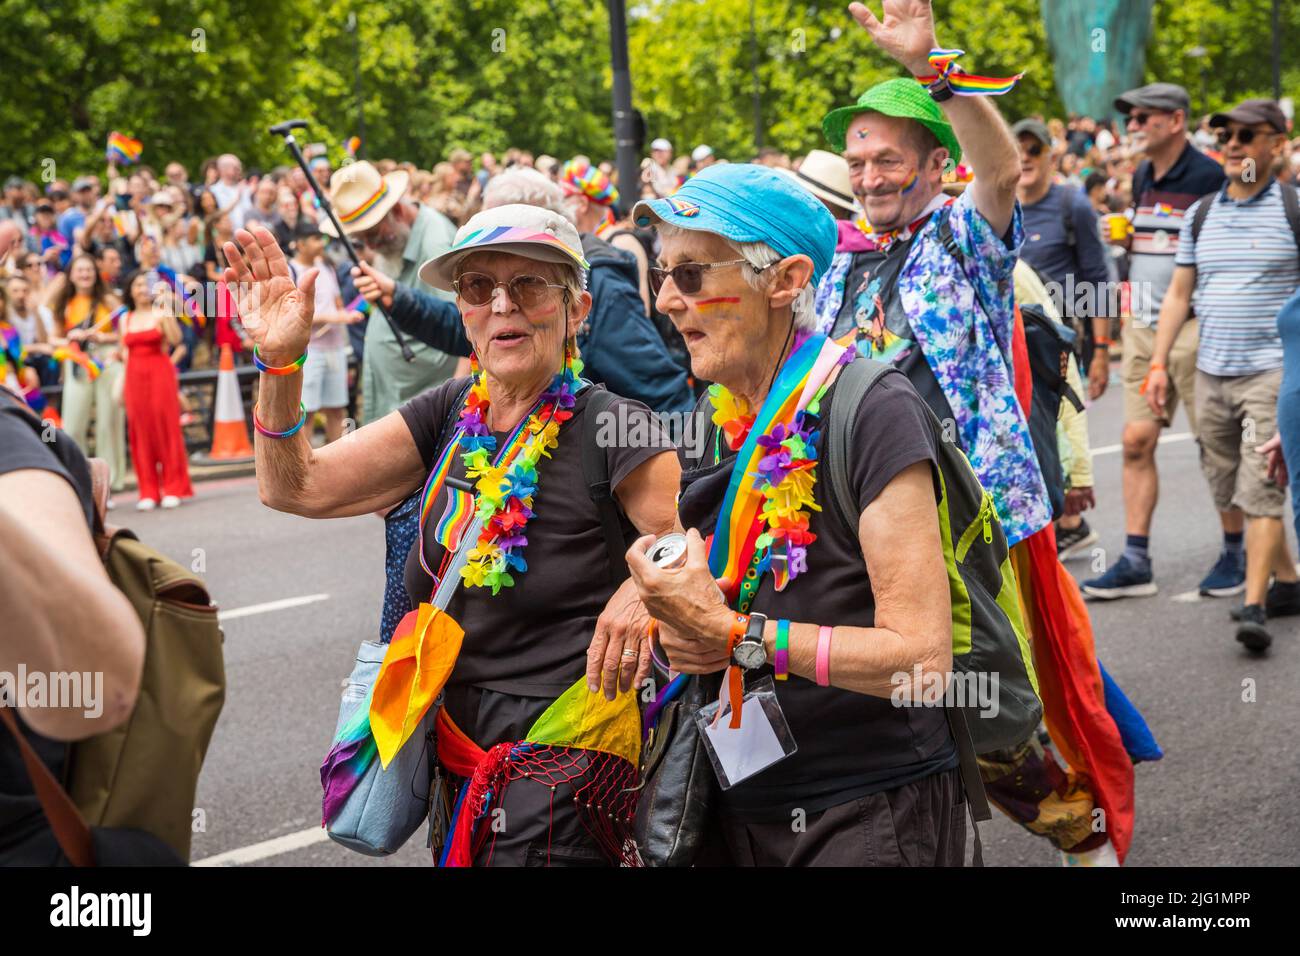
column 190, row 313
column 353, row 146
column 123, row 149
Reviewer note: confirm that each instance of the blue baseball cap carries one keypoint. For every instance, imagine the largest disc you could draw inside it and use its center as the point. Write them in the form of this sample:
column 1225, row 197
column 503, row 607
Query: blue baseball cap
column 745, row 202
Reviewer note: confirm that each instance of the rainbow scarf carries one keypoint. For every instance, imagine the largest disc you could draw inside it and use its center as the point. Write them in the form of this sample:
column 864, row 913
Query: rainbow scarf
column 760, row 524
column 123, row 149
column 944, row 63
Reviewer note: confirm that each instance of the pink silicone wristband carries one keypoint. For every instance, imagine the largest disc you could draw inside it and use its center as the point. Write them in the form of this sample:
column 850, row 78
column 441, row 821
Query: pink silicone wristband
column 824, row 656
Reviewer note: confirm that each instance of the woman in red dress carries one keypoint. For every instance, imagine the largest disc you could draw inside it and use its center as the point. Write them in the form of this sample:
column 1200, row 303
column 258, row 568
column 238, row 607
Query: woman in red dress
column 153, row 344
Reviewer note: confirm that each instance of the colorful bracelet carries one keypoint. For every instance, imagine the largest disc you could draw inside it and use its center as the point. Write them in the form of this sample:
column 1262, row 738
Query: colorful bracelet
column 289, row 369
column 781, row 659
column 652, row 632
column 263, row 430
column 824, row 656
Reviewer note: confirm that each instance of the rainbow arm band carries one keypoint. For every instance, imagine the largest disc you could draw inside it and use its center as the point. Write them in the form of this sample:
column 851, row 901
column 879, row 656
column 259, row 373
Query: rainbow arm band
column 267, row 433
column 944, row 63
column 294, row 366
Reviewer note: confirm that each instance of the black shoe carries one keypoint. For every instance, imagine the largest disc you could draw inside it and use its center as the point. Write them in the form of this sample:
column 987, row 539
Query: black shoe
column 1251, row 631
column 1073, row 541
column 1283, row 600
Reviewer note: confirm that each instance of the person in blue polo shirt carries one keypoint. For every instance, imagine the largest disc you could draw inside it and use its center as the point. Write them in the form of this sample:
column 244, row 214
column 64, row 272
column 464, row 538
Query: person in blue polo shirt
column 1173, row 176
column 1238, row 271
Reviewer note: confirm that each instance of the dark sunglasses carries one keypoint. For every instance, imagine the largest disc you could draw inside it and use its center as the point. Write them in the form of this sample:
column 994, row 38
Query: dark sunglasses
column 689, row 276
column 1245, row 136
column 1139, row 118
column 1034, row 149
column 525, row 291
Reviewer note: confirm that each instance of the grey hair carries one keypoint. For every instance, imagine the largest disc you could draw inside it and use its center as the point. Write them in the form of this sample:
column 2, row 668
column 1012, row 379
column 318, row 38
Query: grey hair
column 527, row 187
column 760, row 255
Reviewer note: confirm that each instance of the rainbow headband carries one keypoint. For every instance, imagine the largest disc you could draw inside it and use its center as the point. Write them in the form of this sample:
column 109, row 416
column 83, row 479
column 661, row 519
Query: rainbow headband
column 498, row 235
column 366, row 206
column 944, row 63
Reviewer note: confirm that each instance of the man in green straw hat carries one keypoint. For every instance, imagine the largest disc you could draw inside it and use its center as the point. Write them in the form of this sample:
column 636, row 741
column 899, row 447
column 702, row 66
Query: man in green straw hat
column 925, row 283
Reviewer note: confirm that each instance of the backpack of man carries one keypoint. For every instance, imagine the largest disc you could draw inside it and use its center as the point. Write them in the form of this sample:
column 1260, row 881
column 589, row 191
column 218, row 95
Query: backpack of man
column 988, row 633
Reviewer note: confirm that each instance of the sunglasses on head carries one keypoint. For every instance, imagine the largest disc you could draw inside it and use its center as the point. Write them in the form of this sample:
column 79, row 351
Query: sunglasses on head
column 1245, row 135
column 689, row 276
column 525, row 291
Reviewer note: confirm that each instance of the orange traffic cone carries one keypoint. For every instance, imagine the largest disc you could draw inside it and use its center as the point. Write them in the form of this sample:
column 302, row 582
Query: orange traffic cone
column 229, row 433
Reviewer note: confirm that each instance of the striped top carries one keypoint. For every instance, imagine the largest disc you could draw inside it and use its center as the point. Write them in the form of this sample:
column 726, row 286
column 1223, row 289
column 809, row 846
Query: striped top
column 1247, row 266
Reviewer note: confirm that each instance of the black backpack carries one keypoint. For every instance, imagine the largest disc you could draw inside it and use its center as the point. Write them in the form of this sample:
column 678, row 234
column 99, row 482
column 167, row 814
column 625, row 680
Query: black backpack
column 1050, row 345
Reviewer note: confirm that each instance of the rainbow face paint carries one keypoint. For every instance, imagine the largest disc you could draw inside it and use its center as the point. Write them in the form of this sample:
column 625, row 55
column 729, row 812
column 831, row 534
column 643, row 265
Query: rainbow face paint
column 862, row 133
column 713, row 305
column 911, row 183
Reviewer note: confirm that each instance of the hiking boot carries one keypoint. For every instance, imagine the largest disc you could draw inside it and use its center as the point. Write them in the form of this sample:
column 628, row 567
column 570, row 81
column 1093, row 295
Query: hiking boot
column 1283, row 600
column 1251, row 631
column 1122, row 579
column 1073, row 541
column 1227, row 577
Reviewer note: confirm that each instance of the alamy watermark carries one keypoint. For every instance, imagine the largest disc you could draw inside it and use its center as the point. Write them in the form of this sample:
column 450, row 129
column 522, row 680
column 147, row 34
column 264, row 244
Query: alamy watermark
column 625, row 427
column 62, row 690
column 973, row 690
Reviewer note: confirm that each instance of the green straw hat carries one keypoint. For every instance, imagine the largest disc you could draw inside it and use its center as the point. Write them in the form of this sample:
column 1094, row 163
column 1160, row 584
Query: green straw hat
column 906, row 99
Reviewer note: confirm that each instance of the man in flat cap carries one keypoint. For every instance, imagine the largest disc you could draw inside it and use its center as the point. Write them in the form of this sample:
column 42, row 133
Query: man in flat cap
column 1237, row 263
column 1173, row 175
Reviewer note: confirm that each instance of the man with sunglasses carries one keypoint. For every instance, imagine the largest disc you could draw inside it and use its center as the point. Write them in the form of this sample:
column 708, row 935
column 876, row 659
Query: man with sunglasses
column 1237, row 263
column 1173, row 175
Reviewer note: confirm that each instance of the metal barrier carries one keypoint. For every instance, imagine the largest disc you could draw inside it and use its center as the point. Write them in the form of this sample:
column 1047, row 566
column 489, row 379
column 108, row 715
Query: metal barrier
column 198, row 389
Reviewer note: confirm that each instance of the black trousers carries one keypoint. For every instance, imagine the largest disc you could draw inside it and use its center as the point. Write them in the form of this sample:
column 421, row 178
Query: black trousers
column 918, row 824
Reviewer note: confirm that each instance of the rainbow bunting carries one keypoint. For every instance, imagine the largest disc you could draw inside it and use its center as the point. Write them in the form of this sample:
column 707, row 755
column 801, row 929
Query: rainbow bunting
column 123, row 149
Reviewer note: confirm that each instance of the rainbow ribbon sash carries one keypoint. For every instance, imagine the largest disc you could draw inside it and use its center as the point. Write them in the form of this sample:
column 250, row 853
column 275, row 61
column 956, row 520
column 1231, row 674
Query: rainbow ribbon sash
column 944, row 63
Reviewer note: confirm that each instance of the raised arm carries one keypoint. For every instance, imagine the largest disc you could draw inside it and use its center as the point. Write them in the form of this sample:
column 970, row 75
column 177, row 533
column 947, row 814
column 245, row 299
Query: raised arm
column 373, row 467
column 906, row 33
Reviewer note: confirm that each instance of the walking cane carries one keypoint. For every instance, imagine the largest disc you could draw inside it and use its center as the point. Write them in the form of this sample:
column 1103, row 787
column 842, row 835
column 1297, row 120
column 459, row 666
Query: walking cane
column 286, row 129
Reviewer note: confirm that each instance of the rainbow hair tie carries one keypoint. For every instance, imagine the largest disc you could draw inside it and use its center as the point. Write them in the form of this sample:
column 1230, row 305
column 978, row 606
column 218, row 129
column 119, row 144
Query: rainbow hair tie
column 289, row 369
column 944, row 63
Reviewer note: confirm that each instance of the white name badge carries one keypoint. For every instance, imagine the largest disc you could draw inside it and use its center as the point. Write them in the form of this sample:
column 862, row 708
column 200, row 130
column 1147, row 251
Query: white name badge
column 762, row 739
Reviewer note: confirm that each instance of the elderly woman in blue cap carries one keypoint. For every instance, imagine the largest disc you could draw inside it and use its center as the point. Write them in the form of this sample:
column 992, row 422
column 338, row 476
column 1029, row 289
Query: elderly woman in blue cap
column 832, row 610
column 544, row 615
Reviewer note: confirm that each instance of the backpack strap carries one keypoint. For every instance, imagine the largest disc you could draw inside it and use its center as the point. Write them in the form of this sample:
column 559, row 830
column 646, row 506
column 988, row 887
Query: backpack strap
column 1291, row 204
column 595, row 471
column 851, row 388
column 69, row 826
column 1202, row 213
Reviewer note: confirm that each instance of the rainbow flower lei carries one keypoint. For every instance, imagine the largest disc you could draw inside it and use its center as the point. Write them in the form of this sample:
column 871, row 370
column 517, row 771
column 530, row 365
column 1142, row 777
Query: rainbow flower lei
column 507, row 488
column 787, row 473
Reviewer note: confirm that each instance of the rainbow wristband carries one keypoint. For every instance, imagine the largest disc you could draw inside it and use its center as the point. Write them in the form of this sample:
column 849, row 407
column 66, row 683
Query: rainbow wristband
column 263, row 430
column 781, row 659
column 295, row 366
column 824, row 656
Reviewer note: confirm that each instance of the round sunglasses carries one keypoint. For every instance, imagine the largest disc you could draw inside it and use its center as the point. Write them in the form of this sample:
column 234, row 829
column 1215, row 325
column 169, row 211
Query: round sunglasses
column 525, row 291
column 689, row 276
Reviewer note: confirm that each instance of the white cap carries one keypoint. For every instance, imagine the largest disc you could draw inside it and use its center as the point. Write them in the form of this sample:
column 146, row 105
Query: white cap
column 661, row 143
column 528, row 231
column 701, row 152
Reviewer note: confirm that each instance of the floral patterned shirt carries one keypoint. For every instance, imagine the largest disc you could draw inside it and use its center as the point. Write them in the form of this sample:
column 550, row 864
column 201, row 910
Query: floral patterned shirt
column 962, row 314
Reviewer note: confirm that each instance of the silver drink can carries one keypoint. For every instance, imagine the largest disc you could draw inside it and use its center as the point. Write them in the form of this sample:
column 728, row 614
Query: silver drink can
column 669, row 551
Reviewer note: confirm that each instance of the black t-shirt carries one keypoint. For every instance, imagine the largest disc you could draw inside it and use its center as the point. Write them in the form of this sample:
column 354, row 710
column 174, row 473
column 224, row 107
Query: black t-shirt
column 21, row 448
column 529, row 642
column 849, row 744
column 873, row 306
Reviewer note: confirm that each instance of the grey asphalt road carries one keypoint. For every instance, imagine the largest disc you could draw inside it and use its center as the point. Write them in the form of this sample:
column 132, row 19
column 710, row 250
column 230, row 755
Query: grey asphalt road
column 1225, row 793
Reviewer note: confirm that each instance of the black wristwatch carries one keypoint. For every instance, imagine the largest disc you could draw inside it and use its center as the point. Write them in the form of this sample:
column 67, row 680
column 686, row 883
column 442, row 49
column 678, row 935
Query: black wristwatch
column 750, row 653
column 940, row 90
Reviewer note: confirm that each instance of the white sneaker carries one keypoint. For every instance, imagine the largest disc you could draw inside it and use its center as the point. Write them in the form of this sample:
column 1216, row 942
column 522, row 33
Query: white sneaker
column 145, row 504
column 171, row 501
column 1104, row 855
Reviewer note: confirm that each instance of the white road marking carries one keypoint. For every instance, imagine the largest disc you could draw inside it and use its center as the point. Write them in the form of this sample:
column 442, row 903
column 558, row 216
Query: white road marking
column 266, row 849
column 1164, row 439
column 280, row 605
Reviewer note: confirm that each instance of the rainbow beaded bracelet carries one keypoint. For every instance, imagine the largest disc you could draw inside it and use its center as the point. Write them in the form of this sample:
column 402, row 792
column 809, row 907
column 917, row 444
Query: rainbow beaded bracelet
column 294, row 366
column 263, row 430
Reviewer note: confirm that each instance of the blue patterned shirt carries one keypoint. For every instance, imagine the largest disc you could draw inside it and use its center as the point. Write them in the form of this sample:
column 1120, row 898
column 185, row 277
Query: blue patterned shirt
column 962, row 315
